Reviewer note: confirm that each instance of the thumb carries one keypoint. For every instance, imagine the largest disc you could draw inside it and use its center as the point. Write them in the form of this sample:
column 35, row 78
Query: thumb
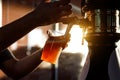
column 49, row 32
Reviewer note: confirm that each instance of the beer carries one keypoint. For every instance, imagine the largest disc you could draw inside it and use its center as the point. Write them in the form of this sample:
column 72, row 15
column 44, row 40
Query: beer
column 52, row 49
column 54, row 45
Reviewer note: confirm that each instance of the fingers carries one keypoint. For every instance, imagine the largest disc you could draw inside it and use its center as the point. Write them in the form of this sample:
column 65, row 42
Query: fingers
column 63, row 10
column 60, row 6
column 66, row 10
column 51, row 12
column 49, row 32
column 45, row 1
column 66, row 40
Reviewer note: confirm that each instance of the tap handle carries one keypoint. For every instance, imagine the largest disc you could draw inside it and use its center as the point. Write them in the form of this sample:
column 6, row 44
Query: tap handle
column 68, row 29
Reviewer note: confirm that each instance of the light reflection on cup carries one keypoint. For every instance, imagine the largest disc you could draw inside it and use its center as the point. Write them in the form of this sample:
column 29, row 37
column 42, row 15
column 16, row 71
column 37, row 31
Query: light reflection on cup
column 52, row 48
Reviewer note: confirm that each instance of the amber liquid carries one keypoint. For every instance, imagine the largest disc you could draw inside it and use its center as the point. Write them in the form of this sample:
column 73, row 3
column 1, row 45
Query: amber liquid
column 52, row 50
column 53, row 47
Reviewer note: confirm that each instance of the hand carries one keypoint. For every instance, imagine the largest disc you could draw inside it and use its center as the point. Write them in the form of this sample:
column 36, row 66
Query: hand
column 65, row 41
column 48, row 13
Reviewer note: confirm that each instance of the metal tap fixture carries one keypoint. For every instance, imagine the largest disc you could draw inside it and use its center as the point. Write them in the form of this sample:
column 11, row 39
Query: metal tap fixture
column 101, row 22
column 102, row 34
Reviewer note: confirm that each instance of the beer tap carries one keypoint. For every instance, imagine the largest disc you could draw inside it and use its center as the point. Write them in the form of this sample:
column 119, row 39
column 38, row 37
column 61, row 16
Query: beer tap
column 74, row 20
column 102, row 34
column 101, row 23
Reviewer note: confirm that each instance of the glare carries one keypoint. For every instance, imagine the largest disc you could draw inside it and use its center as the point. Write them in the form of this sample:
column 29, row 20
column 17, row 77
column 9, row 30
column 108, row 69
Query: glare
column 14, row 46
column 36, row 38
column 117, row 49
column 75, row 45
column 118, row 55
column 117, row 21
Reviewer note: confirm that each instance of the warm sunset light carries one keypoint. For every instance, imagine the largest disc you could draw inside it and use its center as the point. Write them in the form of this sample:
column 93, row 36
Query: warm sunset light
column 75, row 45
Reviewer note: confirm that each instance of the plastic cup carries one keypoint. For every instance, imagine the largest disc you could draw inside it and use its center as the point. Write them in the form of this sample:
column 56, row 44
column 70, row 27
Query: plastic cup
column 52, row 48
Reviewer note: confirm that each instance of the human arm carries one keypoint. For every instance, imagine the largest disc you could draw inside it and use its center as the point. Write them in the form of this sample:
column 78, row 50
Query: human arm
column 17, row 69
column 44, row 14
